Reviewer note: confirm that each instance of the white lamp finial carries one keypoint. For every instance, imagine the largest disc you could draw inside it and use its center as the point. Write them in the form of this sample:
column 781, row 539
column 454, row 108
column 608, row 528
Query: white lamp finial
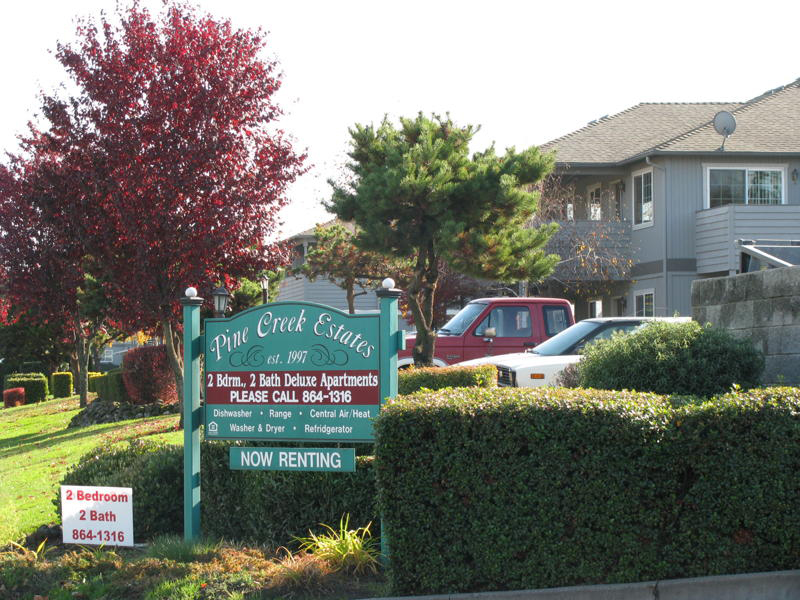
column 388, row 283
column 191, row 292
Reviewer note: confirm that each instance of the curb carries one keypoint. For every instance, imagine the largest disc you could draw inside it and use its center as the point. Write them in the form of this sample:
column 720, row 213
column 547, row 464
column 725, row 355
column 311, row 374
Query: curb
column 777, row 585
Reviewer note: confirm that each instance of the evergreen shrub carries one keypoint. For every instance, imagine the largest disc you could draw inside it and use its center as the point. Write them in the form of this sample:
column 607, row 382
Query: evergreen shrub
column 267, row 507
column 274, row 507
column 61, row 384
column 154, row 472
column 435, row 378
column 672, row 358
column 111, row 386
column 13, row 397
column 492, row 489
column 35, row 384
column 91, row 384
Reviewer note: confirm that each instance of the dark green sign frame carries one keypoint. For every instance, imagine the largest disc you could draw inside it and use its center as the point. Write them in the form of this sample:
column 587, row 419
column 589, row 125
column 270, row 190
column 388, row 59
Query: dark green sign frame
column 285, row 371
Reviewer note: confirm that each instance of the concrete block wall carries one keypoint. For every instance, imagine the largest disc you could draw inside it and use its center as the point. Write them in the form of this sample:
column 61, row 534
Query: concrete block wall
column 763, row 306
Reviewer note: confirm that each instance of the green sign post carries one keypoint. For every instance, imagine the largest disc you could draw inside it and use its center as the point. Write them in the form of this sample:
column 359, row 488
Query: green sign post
column 291, row 371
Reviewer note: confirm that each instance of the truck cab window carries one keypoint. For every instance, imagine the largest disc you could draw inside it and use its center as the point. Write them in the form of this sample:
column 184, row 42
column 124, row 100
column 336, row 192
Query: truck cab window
column 508, row 321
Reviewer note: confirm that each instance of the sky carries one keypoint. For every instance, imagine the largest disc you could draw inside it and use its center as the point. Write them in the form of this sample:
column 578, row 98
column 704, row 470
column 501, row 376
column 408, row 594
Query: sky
column 525, row 71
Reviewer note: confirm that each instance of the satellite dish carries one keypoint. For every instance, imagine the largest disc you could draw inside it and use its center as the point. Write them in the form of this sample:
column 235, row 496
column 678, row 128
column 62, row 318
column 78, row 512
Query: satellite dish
column 725, row 125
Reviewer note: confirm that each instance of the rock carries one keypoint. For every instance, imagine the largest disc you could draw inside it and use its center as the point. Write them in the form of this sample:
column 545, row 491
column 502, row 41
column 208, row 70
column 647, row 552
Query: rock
column 51, row 533
column 101, row 411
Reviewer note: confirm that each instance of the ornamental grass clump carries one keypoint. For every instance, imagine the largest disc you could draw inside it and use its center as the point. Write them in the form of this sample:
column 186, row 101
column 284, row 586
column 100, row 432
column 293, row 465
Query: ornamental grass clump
column 351, row 550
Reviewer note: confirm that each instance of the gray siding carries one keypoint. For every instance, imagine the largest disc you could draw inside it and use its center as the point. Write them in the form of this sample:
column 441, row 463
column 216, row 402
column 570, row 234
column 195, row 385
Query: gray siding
column 322, row 291
column 655, row 283
column 679, row 294
column 648, row 243
column 292, row 289
column 718, row 228
column 686, row 193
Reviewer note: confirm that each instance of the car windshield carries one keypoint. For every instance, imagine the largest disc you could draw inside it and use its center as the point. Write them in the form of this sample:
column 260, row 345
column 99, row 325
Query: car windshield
column 462, row 319
column 562, row 342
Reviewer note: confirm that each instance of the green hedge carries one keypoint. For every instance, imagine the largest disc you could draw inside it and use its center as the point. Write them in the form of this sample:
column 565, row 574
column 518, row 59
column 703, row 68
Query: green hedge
column 434, row 378
column 92, row 380
column 61, row 384
column 272, row 507
column 534, row 488
column 154, row 471
column 267, row 507
column 111, row 386
column 35, row 384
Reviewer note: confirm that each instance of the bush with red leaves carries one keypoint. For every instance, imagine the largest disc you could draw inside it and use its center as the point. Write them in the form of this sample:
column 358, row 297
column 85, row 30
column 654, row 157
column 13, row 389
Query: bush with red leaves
column 13, row 397
column 147, row 376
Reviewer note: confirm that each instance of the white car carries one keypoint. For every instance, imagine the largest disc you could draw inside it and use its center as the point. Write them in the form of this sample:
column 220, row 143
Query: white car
column 542, row 365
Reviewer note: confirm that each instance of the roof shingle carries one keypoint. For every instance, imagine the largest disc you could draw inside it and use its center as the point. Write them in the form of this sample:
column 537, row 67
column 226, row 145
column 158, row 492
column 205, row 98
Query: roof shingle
column 768, row 123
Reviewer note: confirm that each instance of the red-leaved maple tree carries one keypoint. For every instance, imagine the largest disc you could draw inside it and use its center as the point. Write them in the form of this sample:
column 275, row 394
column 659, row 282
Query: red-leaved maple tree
column 42, row 248
column 177, row 168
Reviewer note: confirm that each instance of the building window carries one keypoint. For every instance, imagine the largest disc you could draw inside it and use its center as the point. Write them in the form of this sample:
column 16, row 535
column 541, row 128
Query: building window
column 595, row 308
column 643, row 199
column 645, row 303
column 595, row 204
column 744, row 185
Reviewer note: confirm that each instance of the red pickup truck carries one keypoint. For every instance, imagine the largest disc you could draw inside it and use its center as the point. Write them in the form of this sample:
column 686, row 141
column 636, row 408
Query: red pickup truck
column 489, row 326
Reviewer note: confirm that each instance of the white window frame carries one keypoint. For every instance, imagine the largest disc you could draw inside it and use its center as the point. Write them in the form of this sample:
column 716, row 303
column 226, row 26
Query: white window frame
column 593, row 191
column 645, row 292
column 707, row 167
column 595, row 304
column 634, row 175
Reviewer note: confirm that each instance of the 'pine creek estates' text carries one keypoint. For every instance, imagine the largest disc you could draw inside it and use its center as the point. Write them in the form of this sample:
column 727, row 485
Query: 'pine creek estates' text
column 270, row 324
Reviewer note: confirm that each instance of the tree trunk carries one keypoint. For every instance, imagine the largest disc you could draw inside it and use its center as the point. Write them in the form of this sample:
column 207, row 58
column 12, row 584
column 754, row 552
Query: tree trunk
column 81, row 365
column 173, row 345
column 421, row 291
column 94, row 365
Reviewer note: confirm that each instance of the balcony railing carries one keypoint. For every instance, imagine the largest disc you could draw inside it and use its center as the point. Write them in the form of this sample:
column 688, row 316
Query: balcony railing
column 717, row 229
column 592, row 250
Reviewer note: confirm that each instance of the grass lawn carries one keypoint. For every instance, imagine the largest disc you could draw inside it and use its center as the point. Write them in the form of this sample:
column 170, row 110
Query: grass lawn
column 36, row 449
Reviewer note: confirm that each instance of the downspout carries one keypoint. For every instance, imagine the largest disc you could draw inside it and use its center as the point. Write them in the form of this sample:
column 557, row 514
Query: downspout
column 666, row 230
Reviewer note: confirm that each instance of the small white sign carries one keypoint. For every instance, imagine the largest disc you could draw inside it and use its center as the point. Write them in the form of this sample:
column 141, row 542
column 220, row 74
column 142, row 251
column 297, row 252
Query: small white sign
column 97, row 515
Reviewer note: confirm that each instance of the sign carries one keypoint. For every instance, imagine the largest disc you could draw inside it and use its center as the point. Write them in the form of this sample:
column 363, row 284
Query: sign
column 292, row 371
column 97, row 515
column 293, row 459
column 288, row 371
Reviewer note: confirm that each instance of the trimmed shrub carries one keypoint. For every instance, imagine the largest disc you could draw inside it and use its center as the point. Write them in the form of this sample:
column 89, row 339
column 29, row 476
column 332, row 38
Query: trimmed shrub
column 233, row 502
column 13, row 397
column 61, row 384
column 487, row 489
column 435, row 378
column 92, row 376
column 111, row 387
column 672, row 358
column 35, row 384
column 148, row 376
column 153, row 471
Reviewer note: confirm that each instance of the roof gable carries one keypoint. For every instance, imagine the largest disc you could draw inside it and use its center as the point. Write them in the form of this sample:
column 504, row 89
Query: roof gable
column 769, row 123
